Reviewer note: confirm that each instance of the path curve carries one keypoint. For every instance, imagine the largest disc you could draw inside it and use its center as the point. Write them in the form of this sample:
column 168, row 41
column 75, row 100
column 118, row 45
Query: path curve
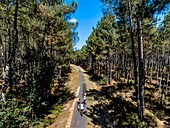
column 78, row 120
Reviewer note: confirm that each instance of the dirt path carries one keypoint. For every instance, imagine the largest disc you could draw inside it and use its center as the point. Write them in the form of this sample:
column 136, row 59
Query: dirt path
column 70, row 117
column 64, row 120
column 90, row 101
column 78, row 120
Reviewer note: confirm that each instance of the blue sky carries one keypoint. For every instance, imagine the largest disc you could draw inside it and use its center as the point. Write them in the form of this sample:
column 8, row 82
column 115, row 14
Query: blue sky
column 88, row 14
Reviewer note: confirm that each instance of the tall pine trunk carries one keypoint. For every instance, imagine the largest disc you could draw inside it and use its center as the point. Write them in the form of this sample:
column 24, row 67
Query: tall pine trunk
column 92, row 64
column 109, row 69
column 151, row 72
column 134, row 55
column 8, row 64
column 167, row 80
column 2, row 54
column 12, row 78
column 141, row 69
column 157, row 69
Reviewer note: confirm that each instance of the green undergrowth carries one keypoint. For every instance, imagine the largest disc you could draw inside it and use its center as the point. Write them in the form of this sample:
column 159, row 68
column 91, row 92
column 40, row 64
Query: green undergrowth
column 13, row 116
column 102, row 81
column 55, row 111
column 62, row 94
column 34, row 101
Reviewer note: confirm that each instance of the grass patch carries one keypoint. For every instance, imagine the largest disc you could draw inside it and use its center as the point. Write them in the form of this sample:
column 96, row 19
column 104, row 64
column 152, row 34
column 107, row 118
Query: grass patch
column 57, row 109
column 102, row 81
column 45, row 122
column 50, row 118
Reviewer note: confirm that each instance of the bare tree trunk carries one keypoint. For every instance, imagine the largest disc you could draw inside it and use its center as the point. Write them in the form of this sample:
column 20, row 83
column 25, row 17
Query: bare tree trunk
column 2, row 54
column 161, row 79
column 110, row 68
column 12, row 76
column 157, row 70
column 164, row 78
column 8, row 65
column 92, row 65
column 99, row 68
column 125, row 68
column 4, row 73
column 141, row 69
column 146, row 66
column 134, row 54
column 167, row 80
column 151, row 69
column 128, row 72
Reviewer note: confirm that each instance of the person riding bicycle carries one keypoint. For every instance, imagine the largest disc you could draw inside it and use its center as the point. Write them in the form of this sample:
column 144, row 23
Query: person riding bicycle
column 81, row 108
column 84, row 98
column 78, row 103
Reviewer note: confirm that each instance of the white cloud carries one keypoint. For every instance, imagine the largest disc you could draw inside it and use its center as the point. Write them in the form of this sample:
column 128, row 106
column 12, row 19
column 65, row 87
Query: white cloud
column 73, row 20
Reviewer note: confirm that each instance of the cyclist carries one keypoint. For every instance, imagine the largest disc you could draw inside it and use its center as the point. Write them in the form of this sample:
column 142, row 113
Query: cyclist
column 81, row 108
column 78, row 103
column 84, row 98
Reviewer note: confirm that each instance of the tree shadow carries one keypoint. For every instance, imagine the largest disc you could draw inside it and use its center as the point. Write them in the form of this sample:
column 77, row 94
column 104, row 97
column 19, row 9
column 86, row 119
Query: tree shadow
column 95, row 78
column 154, row 85
column 60, row 95
column 154, row 102
column 43, row 93
column 113, row 110
column 123, row 85
column 167, row 123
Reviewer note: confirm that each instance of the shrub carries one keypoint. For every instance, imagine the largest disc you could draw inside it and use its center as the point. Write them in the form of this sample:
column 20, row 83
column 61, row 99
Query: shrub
column 102, row 81
column 12, row 116
column 134, row 121
column 57, row 110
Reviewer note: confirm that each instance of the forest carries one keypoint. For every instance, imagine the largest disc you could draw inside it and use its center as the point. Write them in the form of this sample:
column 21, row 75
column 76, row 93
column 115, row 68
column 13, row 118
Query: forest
column 129, row 46
column 36, row 45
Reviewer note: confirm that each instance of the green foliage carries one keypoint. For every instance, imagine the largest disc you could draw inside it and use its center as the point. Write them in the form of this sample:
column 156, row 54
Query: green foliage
column 110, row 53
column 57, row 109
column 49, row 120
column 46, row 122
column 81, row 56
column 134, row 121
column 102, row 81
column 14, row 116
column 160, row 114
column 37, row 40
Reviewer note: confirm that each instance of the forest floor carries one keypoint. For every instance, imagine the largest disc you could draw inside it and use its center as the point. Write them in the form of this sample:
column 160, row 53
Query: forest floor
column 63, row 120
column 118, row 100
column 79, row 120
column 61, row 116
column 90, row 101
column 1, row 82
column 104, row 101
